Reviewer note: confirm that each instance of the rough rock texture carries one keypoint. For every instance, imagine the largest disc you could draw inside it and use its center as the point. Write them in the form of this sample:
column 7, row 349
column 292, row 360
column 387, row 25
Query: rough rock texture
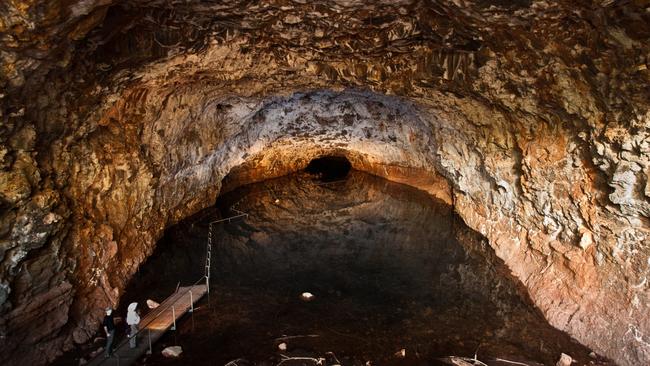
column 118, row 118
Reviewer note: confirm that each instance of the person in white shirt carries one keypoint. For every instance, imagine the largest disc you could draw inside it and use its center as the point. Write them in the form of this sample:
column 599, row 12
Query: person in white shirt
column 133, row 319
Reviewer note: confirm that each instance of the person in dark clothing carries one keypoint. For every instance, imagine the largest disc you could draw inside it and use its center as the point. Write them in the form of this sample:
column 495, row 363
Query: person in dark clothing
column 109, row 328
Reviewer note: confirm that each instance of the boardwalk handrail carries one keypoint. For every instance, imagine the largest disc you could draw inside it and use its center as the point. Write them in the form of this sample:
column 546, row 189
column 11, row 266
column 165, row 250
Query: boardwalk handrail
column 141, row 327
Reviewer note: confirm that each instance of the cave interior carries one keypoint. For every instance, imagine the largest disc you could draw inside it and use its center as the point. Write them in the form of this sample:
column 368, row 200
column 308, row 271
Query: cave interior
column 529, row 119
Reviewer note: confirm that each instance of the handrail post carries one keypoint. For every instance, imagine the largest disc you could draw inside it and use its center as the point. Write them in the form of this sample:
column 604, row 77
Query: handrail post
column 174, row 316
column 191, row 302
column 207, row 287
column 150, row 349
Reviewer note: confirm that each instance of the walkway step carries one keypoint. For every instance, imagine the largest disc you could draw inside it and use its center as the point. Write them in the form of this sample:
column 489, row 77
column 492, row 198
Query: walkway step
column 153, row 326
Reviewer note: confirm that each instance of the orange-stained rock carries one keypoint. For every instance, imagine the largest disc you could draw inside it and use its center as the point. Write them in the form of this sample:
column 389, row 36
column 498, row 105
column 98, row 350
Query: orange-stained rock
column 118, row 119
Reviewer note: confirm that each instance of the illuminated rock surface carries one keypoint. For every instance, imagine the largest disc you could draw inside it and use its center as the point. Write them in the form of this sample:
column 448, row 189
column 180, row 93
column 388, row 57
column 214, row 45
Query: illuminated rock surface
column 119, row 118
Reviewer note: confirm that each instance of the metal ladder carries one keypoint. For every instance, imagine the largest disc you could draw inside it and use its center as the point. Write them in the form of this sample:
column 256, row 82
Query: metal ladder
column 208, row 256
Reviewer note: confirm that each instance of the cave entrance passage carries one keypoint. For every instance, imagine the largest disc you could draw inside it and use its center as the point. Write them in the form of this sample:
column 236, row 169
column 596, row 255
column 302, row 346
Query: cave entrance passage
column 390, row 269
column 330, row 168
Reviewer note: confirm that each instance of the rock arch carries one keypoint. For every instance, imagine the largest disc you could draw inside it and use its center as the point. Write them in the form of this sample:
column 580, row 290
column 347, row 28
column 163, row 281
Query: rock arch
column 534, row 129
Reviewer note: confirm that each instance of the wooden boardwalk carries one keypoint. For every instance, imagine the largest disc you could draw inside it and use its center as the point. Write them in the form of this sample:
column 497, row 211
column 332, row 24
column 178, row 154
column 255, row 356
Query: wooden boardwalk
column 155, row 323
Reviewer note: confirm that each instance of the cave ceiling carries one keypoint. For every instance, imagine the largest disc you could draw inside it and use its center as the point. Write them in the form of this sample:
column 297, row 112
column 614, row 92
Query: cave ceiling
column 119, row 118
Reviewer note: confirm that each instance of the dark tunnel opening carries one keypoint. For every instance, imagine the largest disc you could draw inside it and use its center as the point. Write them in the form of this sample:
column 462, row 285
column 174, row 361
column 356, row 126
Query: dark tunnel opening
column 330, row 168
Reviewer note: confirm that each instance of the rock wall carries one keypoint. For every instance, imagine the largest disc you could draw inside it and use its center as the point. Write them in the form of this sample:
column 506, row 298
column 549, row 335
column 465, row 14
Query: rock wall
column 120, row 118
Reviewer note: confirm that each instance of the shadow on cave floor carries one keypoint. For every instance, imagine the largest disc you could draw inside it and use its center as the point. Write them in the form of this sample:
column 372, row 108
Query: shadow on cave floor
column 390, row 267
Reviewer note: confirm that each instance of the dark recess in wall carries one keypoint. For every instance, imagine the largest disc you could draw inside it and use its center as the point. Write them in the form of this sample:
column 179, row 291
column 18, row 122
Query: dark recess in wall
column 330, row 168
